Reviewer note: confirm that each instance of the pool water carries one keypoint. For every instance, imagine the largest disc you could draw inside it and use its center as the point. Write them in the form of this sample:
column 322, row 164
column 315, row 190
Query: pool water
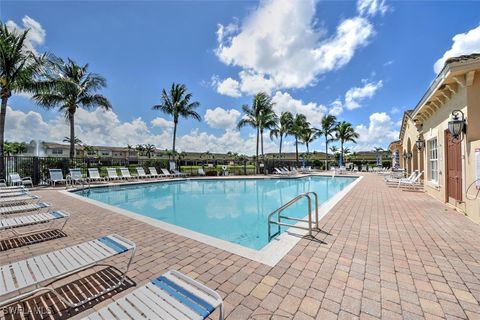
column 234, row 210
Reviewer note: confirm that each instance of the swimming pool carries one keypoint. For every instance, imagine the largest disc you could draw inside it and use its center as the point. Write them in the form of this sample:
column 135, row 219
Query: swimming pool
column 234, row 210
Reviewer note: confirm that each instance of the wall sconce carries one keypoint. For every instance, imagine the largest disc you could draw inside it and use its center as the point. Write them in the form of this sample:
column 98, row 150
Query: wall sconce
column 457, row 125
column 409, row 155
column 420, row 143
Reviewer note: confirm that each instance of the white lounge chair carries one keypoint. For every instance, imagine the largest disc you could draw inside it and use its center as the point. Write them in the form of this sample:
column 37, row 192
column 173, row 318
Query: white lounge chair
column 280, row 172
column 13, row 194
column 201, row 172
column 12, row 189
column 14, row 223
column 15, row 180
column 56, row 176
column 178, row 173
column 166, row 173
column 24, row 208
column 396, row 180
column 28, row 275
column 75, row 176
column 170, row 296
column 112, row 174
column 412, row 183
column 125, row 174
column 94, row 175
column 11, row 201
column 154, row 173
column 141, row 173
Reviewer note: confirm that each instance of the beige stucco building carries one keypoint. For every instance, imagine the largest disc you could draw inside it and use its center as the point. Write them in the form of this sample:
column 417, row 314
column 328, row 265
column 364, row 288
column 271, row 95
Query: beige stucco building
column 450, row 165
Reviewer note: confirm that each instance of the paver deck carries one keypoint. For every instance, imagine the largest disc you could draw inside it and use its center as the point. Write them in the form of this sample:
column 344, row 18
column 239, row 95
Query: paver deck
column 390, row 255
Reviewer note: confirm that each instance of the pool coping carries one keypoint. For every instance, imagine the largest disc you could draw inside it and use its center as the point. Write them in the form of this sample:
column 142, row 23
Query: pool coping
column 269, row 255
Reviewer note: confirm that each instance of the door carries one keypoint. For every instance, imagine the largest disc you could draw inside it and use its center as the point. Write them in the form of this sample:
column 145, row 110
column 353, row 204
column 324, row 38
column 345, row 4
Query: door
column 454, row 168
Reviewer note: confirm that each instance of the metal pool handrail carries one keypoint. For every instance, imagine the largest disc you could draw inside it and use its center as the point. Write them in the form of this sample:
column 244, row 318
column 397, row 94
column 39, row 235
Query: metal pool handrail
column 278, row 212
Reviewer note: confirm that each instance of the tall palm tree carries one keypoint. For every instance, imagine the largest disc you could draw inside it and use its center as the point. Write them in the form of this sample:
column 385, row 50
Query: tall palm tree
column 283, row 129
column 176, row 103
column 300, row 123
column 334, row 149
column 19, row 70
column 344, row 132
column 377, row 150
column 149, row 149
column 308, row 136
column 327, row 130
column 70, row 87
column 268, row 119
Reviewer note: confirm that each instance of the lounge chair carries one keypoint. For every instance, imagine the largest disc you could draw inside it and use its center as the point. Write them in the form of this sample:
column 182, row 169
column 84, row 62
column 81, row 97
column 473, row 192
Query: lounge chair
column 75, row 176
column 56, row 176
column 141, row 173
column 24, row 208
column 170, row 296
column 396, row 180
column 412, row 183
column 22, row 199
column 280, row 172
column 94, row 175
column 125, row 174
column 13, row 193
column 27, row 275
column 12, row 224
column 167, row 173
column 342, row 170
column 11, row 189
column 15, row 180
column 154, row 173
column 112, row 174
column 178, row 173
column 201, row 172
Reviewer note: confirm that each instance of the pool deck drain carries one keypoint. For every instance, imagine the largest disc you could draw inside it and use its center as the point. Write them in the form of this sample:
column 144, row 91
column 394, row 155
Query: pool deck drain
column 390, row 255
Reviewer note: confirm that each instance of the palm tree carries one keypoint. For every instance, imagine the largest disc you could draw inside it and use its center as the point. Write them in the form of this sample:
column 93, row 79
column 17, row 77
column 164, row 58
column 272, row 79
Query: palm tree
column 308, row 136
column 70, row 87
column 176, row 103
column 327, row 130
column 259, row 117
column 300, row 123
column 268, row 119
column 377, row 151
column 344, row 132
column 333, row 149
column 19, row 70
column 283, row 129
column 140, row 149
column 149, row 149
column 76, row 140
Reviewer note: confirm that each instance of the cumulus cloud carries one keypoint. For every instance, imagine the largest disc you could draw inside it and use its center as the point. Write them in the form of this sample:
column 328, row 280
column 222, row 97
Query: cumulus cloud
column 285, row 102
column 372, row 7
column 463, row 43
column 99, row 127
column 336, row 108
column 220, row 118
column 35, row 36
column 380, row 130
column 356, row 95
column 279, row 45
column 227, row 87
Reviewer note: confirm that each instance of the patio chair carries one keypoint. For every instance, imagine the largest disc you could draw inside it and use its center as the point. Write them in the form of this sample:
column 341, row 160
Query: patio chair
column 12, row 224
column 154, row 173
column 141, row 173
column 75, row 175
column 166, row 173
column 178, row 173
column 280, row 172
column 24, row 208
column 112, row 174
column 201, row 172
column 125, row 174
column 12, row 188
column 412, row 183
column 396, row 180
column 13, row 193
column 94, row 175
column 22, row 199
column 28, row 275
column 56, row 176
column 170, row 296
column 15, row 180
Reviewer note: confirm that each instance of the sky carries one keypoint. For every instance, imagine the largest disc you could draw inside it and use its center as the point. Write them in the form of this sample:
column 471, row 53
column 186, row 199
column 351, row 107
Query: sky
column 364, row 61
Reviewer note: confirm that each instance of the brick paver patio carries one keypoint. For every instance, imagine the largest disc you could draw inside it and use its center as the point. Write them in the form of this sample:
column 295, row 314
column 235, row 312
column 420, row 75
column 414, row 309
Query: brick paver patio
column 390, row 255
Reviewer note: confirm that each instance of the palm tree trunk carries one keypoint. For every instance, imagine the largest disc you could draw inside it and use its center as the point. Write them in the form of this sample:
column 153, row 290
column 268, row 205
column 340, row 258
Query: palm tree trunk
column 280, row 150
column 71, row 118
column 296, row 149
column 261, row 139
column 308, row 149
column 326, row 152
column 341, row 153
column 256, row 158
column 174, row 135
column 3, row 113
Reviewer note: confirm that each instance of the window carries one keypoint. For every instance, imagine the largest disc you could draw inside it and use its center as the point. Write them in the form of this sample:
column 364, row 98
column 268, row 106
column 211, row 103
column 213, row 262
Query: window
column 433, row 160
column 57, row 151
column 105, row 153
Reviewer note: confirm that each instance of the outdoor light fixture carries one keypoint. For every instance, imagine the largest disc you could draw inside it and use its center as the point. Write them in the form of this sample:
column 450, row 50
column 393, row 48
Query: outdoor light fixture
column 409, row 155
column 457, row 125
column 420, row 144
column 404, row 155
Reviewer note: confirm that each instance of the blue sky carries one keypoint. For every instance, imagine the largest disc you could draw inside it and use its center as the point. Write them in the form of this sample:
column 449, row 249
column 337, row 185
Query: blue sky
column 364, row 61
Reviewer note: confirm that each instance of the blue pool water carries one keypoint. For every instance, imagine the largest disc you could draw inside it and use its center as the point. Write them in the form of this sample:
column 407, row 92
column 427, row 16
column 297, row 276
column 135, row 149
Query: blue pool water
column 231, row 210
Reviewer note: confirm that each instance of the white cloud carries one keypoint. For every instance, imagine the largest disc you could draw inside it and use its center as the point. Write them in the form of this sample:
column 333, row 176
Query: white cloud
column 228, row 87
column 395, row 110
column 463, row 43
column 336, row 108
column 36, row 35
column 279, row 45
column 220, row 118
column 285, row 102
column 381, row 130
column 105, row 128
column 371, row 7
column 356, row 95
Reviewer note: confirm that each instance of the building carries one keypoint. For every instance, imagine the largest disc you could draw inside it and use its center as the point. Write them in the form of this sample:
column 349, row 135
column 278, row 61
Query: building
column 441, row 136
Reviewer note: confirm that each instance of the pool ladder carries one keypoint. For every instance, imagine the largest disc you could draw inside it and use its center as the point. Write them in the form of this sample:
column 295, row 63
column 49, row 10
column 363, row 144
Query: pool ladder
column 278, row 214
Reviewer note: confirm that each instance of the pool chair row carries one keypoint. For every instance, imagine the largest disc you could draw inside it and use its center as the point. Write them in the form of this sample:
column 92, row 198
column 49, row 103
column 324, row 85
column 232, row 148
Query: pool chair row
column 172, row 295
column 412, row 182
